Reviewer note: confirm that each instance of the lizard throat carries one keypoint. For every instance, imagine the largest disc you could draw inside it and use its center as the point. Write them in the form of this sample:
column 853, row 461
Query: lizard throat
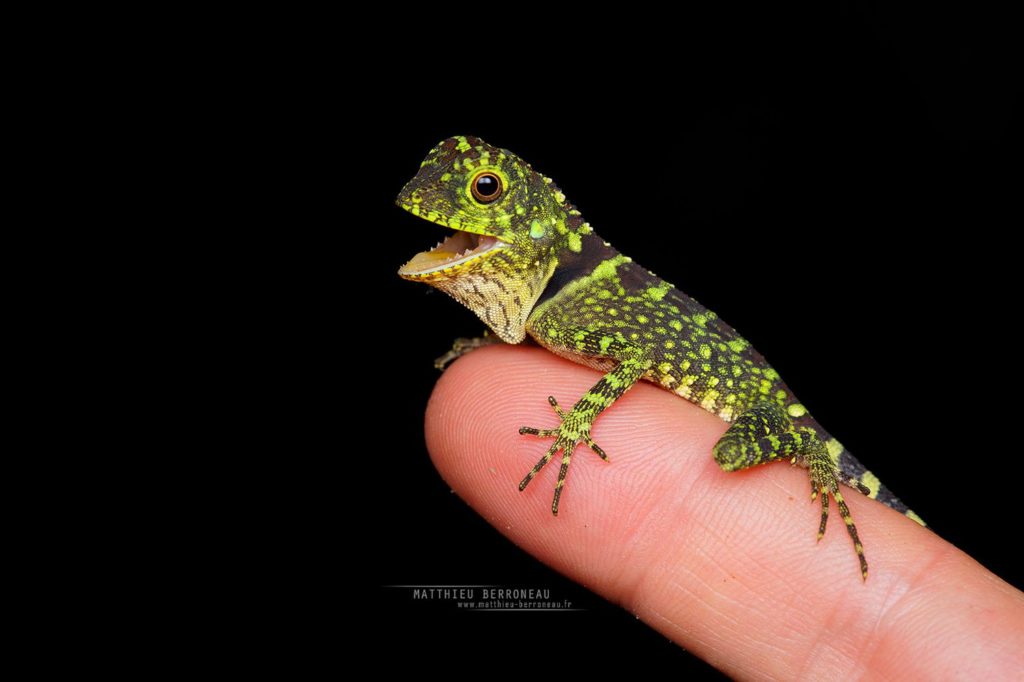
column 456, row 251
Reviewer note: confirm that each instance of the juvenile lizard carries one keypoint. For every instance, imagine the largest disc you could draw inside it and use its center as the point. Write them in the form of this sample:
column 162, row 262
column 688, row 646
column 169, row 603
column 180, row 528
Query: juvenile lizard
column 523, row 259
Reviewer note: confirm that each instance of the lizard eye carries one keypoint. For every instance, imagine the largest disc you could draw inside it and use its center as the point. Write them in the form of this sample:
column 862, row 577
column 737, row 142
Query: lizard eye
column 486, row 187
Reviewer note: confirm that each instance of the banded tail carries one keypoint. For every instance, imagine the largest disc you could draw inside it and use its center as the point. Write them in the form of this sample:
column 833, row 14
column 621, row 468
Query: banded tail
column 851, row 468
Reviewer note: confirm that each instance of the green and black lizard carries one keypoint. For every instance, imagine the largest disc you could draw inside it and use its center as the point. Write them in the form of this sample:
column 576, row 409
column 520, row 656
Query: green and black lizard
column 524, row 260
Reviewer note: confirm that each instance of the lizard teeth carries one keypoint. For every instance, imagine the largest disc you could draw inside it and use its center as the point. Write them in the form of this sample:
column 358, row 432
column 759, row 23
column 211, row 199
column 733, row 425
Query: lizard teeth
column 458, row 248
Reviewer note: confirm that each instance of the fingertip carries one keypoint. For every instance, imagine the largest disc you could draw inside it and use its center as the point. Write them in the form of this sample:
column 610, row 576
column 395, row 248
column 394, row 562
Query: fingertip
column 720, row 562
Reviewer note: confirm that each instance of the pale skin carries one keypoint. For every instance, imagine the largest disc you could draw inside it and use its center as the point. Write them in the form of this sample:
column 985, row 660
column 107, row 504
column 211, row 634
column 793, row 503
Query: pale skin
column 724, row 564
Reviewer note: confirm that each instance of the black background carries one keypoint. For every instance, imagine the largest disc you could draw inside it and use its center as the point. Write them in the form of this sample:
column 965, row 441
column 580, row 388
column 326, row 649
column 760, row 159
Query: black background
column 841, row 189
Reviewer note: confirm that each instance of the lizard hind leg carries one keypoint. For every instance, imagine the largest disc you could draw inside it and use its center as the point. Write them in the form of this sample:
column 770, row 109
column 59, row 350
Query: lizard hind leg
column 766, row 434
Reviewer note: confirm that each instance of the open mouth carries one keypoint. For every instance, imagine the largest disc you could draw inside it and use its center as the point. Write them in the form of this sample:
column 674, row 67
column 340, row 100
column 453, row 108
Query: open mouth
column 457, row 249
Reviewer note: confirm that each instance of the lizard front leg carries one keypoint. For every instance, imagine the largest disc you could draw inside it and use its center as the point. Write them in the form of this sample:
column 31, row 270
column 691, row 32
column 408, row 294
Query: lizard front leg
column 463, row 345
column 633, row 361
column 764, row 434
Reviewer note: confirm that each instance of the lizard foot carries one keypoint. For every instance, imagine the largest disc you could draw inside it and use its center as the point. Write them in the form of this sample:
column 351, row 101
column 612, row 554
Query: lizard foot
column 463, row 345
column 824, row 480
column 764, row 434
column 575, row 427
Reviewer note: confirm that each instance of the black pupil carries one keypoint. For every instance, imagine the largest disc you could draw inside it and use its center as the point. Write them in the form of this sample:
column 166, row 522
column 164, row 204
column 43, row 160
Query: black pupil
column 487, row 185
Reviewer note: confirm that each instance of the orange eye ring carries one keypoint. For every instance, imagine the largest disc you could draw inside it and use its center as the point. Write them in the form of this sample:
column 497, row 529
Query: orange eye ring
column 486, row 187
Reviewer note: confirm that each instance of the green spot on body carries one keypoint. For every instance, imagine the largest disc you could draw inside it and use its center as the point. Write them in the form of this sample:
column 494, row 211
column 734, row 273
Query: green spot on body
column 796, row 410
column 737, row 345
column 446, row 177
column 520, row 210
column 604, row 343
column 700, row 320
column 642, row 319
column 537, row 230
column 575, row 243
column 462, row 146
column 657, row 293
column 608, row 268
column 705, row 351
column 676, row 324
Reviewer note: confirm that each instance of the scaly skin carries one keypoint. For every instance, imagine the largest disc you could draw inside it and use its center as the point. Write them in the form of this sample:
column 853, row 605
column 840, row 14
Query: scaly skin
column 541, row 270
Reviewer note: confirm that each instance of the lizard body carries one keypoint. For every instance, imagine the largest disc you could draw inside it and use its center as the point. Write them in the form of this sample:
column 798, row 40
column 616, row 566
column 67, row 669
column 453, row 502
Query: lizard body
column 524, row 260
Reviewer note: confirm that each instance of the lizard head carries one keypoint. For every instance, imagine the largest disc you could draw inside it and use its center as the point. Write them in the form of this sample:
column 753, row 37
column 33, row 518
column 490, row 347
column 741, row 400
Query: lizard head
column 509, row 221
